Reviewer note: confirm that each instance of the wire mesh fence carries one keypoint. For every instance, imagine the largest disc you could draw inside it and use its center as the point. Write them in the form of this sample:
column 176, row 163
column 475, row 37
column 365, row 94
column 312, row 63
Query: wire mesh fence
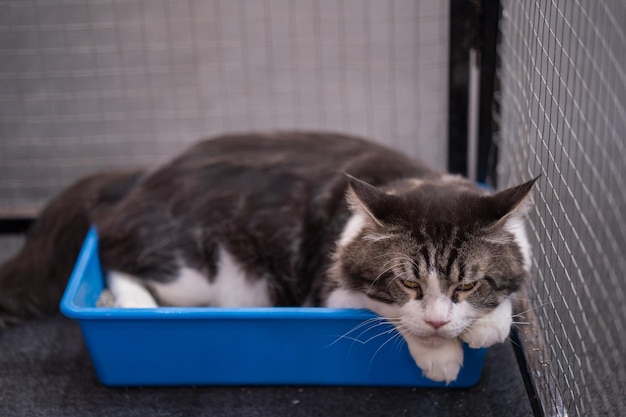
column 563, row 116
column 90, row 84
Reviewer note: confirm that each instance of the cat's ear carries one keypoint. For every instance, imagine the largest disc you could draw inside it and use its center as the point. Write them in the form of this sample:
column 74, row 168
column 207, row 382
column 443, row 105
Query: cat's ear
column 367, row 200
column 512, row 202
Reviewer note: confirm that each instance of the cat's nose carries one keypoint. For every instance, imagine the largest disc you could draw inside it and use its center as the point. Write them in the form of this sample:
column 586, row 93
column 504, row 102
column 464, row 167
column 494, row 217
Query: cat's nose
column 437, row 324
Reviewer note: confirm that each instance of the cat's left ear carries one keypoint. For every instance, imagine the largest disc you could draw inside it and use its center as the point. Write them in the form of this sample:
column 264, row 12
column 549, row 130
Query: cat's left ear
column 367, row 200
column 512, row 202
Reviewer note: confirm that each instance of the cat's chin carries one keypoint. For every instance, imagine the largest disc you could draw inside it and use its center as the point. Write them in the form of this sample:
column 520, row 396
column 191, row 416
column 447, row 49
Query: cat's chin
column 433, row 340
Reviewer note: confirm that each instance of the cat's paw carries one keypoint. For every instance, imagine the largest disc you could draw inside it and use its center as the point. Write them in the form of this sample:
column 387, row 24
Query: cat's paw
column 441, row 362
column 135, row 301
column 128, row 292
column 492, row 328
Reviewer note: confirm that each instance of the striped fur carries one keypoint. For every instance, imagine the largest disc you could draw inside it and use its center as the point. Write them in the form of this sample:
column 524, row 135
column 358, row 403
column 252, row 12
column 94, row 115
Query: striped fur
column 440, row 258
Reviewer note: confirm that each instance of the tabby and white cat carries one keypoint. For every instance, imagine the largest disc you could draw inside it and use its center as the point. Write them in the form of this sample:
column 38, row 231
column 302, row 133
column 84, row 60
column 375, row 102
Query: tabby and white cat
column 293, row 219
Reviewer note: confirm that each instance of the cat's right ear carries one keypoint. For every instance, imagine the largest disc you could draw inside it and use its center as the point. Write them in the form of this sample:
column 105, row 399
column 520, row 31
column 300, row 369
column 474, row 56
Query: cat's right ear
column 512, row 202
column 367, row 200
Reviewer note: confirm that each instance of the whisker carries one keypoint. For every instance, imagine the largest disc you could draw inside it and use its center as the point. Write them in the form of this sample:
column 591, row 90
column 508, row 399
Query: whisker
column 393, row 337
column 375, row 336
column 513, row 342
column 551, row 302
column 512, row 297
column 369, row 325
column 354, row 329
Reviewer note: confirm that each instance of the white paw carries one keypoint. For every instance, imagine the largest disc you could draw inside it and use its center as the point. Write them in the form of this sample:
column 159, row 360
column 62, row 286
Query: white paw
column 128, row 292
column 135, row 301
column 490, row 329
column 441, row 362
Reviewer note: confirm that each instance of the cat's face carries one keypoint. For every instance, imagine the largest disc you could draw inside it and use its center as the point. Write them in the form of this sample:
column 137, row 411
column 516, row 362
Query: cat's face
column 434, row 257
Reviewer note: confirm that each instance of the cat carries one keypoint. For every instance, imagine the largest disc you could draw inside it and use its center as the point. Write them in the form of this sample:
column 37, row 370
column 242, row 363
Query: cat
column 293, row 219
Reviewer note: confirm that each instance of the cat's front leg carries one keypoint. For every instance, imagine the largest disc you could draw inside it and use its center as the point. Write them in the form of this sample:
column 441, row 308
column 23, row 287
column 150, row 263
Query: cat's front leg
column 491, row 328
column 440, row 360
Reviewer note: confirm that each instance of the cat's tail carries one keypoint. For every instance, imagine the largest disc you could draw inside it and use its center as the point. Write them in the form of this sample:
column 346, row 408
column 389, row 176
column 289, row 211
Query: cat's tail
column 32, row 282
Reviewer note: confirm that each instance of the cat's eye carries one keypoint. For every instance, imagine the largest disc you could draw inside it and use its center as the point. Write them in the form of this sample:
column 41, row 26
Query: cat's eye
column 410, row 284
column 465, row 287
column 415, row 286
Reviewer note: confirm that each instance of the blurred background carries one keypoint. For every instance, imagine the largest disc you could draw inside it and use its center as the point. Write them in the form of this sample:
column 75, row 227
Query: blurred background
column 88, row 85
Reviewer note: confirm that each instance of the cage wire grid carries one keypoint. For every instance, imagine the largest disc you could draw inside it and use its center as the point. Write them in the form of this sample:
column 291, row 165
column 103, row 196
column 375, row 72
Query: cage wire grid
column 562, row 115
column 98, row 84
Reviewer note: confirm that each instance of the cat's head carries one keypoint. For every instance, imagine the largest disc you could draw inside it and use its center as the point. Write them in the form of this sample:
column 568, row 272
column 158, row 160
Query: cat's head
column 434, row 255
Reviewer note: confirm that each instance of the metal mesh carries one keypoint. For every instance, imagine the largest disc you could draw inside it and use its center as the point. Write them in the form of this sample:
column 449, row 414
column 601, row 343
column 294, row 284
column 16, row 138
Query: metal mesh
column 563, row 116
column 89, row 84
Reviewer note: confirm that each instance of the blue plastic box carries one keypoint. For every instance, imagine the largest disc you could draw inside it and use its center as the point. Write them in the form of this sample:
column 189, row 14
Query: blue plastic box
column 252, row 346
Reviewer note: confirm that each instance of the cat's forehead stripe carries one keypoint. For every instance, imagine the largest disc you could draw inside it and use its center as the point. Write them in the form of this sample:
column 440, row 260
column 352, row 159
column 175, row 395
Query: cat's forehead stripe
column 452, row 257
column 425, row 255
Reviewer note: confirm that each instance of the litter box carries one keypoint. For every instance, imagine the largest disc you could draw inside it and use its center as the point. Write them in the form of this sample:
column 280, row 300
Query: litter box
column 172, row 346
